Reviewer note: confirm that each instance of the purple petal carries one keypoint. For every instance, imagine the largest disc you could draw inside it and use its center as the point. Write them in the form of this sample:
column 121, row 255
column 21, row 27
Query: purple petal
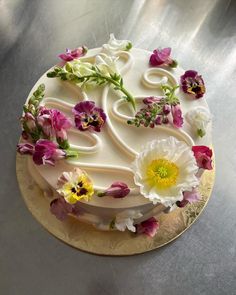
column 60, row 208
column 148, row 227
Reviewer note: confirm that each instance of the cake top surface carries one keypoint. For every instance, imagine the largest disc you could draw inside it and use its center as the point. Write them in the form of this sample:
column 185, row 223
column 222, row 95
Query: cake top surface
column 143, row 121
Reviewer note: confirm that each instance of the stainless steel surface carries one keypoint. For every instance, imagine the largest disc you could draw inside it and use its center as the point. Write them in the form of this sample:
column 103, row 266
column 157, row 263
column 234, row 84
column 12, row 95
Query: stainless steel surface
column 202, row 36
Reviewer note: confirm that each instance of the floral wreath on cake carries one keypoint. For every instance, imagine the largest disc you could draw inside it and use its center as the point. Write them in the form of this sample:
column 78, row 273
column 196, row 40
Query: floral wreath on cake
column 166, row 171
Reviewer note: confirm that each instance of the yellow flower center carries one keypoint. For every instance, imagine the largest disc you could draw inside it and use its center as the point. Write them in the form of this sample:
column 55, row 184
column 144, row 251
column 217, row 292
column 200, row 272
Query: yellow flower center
column 162, row 173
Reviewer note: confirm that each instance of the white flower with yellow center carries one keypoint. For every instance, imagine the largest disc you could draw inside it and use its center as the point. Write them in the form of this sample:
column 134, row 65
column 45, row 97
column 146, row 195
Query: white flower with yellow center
column 164, row 169
column 114, row 45
column 199, row 118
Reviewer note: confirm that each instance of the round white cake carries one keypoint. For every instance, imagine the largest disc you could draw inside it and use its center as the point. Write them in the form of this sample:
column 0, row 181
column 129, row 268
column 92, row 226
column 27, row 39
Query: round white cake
column 139, row 162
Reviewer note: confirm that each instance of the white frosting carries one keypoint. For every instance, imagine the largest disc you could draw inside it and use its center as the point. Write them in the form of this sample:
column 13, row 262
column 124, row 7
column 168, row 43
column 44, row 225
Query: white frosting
column 107, row 156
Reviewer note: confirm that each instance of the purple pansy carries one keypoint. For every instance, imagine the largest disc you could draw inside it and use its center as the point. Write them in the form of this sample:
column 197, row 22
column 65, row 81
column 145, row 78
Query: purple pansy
column 192, row 83
column 203, row 155
column 118, row 189
column 73, row 54
column 60, row 208
column 148, row 227
column 88, row 116
column 161, row 57
column 25, row 148
column 53, row 123
column 47, row 152
column 177, row 116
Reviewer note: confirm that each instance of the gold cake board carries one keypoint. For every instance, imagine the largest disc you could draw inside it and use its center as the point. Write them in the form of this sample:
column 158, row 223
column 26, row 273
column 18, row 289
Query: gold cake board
column 114, row 243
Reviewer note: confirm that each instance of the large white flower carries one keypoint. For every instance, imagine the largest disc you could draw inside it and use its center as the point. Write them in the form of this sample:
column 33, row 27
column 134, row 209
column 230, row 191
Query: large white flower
column 199, row 118
column 164, row 169
column 106, row 64
column 115, row 45
column 125, row 219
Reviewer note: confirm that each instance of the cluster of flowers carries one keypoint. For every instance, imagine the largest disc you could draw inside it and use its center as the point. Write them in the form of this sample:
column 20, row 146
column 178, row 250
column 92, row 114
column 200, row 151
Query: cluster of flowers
column 159, row 110
column 44, row 132
column 203, row 156
column 191, row 82
column 76, row 185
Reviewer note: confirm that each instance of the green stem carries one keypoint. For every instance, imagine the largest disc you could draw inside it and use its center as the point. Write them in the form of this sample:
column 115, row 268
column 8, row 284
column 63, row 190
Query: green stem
column 122, row 89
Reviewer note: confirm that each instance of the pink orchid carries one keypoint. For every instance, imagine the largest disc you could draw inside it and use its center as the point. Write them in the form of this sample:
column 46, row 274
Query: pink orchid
column 148, row 227
column 161, row 57
column 177, row 116
column 203, row 155
column 25, row 148
column 53, row 123
column 73, row 54
column 47, row 152
column 118, row 189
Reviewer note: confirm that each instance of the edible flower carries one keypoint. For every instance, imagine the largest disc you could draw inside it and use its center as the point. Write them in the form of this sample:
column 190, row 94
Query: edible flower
column 73, row 54
column 25, row 148
column 88, row 116
column 164, row 169
column 189, row 197
column 60, row 208
column 114, row 45
column 76, row 187
column 106, row 64
column 161, row 57
column 199, row 118
column 47, row 152
column 53, row 123
column 118, row 189
column 159, row 110
column 203, row 155
column 177, row 116
column 125, row 219
column 192, row 83
column 148, row 227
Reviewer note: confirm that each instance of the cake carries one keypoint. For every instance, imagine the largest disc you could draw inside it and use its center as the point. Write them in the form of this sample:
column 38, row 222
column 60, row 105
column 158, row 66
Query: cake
column 116, row 136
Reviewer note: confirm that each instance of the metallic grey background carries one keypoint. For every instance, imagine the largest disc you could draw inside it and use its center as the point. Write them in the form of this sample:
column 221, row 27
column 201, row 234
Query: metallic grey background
column 202, row 37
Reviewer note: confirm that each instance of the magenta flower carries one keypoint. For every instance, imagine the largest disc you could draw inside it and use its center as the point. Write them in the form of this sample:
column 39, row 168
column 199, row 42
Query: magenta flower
column 148, row 227
column 193, row 84
column 60, row 208
column 73, row 54
column 161, row 57
column 88, row 116
column 177, row 116
column 203, row 155
column 189, row 197
column 118, row 189
column 152, row 99
column 25, row 149
column 47, row 152
column 53, row 123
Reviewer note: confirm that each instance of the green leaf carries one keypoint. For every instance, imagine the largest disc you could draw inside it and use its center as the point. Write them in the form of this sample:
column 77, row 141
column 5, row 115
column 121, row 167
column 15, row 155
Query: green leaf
column 128, row 46
column 71, row 154
column 112, row 223
column 52, row 74
column 63, row 144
